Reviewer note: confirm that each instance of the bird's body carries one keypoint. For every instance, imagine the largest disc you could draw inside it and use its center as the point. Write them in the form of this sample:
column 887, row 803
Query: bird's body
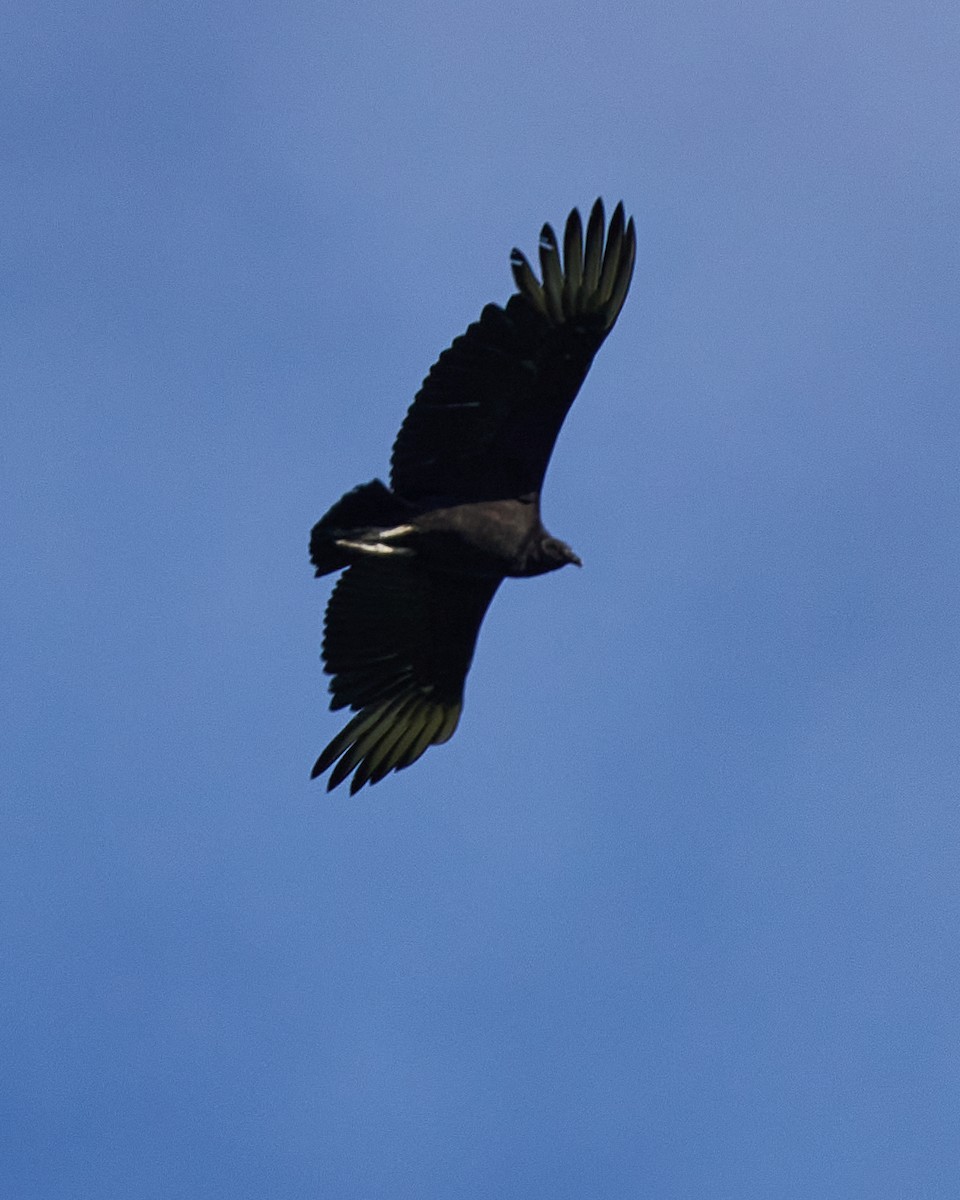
column 425, row 556
column 493, row 539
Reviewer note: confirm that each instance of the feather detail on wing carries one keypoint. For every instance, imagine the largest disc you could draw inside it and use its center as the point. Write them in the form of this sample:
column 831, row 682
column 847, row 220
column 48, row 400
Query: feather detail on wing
column 398, row 641
column 484, row 423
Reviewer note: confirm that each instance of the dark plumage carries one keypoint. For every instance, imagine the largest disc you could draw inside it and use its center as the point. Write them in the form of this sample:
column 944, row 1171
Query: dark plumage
column 425, row 556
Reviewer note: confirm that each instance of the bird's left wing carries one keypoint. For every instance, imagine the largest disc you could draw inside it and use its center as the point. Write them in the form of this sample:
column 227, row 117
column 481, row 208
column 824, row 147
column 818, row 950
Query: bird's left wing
column 483, row 425
column 398, row 641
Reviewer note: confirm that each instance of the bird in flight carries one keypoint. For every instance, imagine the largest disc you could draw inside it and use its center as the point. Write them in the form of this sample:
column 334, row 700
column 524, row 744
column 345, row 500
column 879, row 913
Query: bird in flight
column 423, row 558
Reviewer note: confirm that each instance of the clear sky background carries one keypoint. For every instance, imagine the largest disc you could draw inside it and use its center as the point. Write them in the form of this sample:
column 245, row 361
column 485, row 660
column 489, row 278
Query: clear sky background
column 677, row 912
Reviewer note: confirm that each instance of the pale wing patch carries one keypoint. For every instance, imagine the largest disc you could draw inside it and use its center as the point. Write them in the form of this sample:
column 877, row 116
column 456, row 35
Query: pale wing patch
column 378, row 543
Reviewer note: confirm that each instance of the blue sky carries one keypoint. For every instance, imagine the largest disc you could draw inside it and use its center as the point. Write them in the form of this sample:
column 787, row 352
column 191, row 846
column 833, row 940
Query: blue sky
column 676, row 912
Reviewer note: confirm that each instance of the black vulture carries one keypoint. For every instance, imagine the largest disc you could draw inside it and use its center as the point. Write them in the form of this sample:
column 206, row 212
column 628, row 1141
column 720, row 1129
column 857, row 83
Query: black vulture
column 425, row 556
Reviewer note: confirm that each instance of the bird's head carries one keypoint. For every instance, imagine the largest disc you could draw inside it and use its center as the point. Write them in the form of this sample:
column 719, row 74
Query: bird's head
column 557, row 554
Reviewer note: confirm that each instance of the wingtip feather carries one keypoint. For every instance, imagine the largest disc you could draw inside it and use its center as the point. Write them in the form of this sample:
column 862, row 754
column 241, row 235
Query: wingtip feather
column 552, row 272
column 623, row 276
column 572, row 262
column 593, row 254
column 389, row 738
column 595, row 273
column 526, row 281
column 611, row 256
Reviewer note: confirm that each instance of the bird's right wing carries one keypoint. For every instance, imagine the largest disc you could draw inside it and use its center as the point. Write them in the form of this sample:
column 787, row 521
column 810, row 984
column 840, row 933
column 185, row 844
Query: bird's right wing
column 398, row 641
column 484, row 423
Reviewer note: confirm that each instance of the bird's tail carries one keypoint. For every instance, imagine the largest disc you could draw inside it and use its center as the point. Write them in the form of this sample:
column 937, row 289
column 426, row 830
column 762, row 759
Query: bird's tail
column 368, row 507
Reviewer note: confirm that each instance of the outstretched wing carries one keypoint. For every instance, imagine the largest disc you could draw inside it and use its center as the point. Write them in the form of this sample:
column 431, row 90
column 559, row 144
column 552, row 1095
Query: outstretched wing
column 484, row 423
column 398, row 641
